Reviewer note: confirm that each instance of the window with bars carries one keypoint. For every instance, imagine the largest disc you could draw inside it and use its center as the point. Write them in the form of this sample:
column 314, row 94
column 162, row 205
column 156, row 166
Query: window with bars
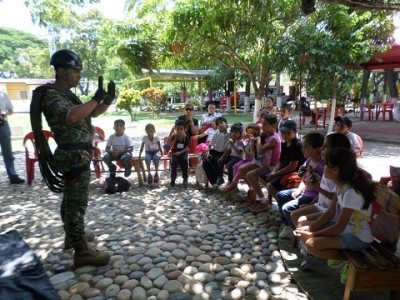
column 23, row 94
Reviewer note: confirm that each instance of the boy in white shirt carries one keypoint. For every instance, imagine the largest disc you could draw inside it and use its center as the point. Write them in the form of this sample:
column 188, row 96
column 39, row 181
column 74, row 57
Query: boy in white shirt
column 119, row 147
column 343, row 125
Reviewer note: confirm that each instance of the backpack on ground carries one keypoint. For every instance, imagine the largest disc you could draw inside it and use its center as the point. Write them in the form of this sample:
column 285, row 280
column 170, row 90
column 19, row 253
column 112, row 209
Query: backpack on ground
column 385, row 217
column 201, row 176
column 116, row 184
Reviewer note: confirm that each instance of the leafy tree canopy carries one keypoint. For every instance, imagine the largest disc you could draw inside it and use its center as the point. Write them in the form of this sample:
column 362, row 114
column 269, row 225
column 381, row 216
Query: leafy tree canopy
column 244, row 36
column 54, row 12
column 333, row 41
column 18, row 49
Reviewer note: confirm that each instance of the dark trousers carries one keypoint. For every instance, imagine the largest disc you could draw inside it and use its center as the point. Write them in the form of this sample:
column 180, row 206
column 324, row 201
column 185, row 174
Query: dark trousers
column 22, row 275
column 211, row 167
column 230, row 161
column 183, row 161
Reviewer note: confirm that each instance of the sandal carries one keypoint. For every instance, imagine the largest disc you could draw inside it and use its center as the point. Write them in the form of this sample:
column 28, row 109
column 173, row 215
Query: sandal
column 150, row 179
column 259, row 206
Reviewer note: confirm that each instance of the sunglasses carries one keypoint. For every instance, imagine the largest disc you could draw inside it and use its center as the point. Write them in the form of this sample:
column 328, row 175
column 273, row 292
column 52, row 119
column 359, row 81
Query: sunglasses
column 188, row 108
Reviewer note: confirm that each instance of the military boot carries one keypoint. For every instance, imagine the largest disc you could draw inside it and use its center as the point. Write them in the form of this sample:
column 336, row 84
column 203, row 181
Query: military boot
column 85, row 255
column 89, row 236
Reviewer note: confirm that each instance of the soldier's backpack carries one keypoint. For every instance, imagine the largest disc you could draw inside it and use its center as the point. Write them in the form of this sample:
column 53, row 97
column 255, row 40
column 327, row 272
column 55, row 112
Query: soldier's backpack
column 114, row 184
column 385, row 216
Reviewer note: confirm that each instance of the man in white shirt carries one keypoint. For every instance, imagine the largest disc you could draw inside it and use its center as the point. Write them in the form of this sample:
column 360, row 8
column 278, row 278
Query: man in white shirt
column 6, row 109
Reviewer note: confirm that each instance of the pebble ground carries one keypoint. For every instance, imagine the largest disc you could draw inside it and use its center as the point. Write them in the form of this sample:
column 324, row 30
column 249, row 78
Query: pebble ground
column 165, row 243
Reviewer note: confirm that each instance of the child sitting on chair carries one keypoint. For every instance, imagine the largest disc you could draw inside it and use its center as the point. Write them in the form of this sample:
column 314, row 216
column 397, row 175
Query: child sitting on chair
column 152, row 147
column 218, row 144
column 352, row 198
column 343, row 125
column 286, row 110
column 209, row 133
column 119, row 147
column 234, row 153
column 179, row 152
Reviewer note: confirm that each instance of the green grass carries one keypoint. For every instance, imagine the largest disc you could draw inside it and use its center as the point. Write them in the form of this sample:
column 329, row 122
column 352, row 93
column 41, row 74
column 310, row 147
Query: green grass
column 167, row 119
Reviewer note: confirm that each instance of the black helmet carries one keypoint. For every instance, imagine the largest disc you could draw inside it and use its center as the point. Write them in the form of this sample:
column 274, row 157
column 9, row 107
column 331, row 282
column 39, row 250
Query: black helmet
column 65, row 59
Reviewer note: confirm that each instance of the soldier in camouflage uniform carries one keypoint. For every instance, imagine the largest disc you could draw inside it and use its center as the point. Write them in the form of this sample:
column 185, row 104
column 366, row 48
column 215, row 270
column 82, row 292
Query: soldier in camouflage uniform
column 70, row 122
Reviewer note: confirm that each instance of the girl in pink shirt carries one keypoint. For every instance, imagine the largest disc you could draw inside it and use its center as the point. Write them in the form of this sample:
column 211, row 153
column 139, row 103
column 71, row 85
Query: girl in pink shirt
column 268, row 153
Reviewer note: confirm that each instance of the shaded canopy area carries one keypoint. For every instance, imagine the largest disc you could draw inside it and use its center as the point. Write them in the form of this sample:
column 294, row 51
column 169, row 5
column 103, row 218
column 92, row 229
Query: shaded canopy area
column 389, row 59
column 386, row 60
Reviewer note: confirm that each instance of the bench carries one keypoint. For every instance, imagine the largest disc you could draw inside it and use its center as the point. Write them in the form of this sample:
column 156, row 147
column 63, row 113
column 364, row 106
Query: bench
column 136, row 163
column 193, row 157
column 374, row 269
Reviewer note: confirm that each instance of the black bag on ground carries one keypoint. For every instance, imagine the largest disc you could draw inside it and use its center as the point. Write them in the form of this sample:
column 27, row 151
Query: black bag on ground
column 116, row 184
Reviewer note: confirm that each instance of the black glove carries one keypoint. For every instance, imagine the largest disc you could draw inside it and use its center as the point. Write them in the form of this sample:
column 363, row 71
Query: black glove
column 100, row 93
column 110, row 94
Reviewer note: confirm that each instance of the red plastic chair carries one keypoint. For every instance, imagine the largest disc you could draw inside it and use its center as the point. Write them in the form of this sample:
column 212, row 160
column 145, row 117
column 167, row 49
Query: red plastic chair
column 388, row 107
column 366, row 108
column 97, row 161
column 32, row 158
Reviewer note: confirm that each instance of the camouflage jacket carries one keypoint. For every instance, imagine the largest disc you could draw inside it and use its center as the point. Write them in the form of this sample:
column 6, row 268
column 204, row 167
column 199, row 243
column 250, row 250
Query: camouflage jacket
column 55, row 107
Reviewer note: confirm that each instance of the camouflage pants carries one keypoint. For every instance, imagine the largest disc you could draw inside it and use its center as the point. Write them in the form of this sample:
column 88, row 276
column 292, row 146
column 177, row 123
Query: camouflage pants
column 74, row 204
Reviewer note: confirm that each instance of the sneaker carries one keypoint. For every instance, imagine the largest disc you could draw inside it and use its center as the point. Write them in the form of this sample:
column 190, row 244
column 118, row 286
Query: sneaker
column 286, row 232
column 308, row 260
column 150, row 179
column 259, row 206
column 17, row 180
column 127, row 172
column 220, row 180
column 333, row 263
column 344, row 273
column 156, row 178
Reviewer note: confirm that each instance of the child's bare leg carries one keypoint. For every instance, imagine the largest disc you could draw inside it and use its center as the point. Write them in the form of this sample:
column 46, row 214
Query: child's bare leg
column 328, row 247
column 246, row 169
column 156, row 167
column 148, row 169
column 310, row 218
column 271, row 190
column 302, row 213
column 252, row 178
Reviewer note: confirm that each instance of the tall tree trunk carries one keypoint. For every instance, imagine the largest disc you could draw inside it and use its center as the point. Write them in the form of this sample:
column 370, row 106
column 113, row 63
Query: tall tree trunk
column 247, row 97
column 391, row 79
column 278, row 100
column 230, row 86
column 363, row 95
